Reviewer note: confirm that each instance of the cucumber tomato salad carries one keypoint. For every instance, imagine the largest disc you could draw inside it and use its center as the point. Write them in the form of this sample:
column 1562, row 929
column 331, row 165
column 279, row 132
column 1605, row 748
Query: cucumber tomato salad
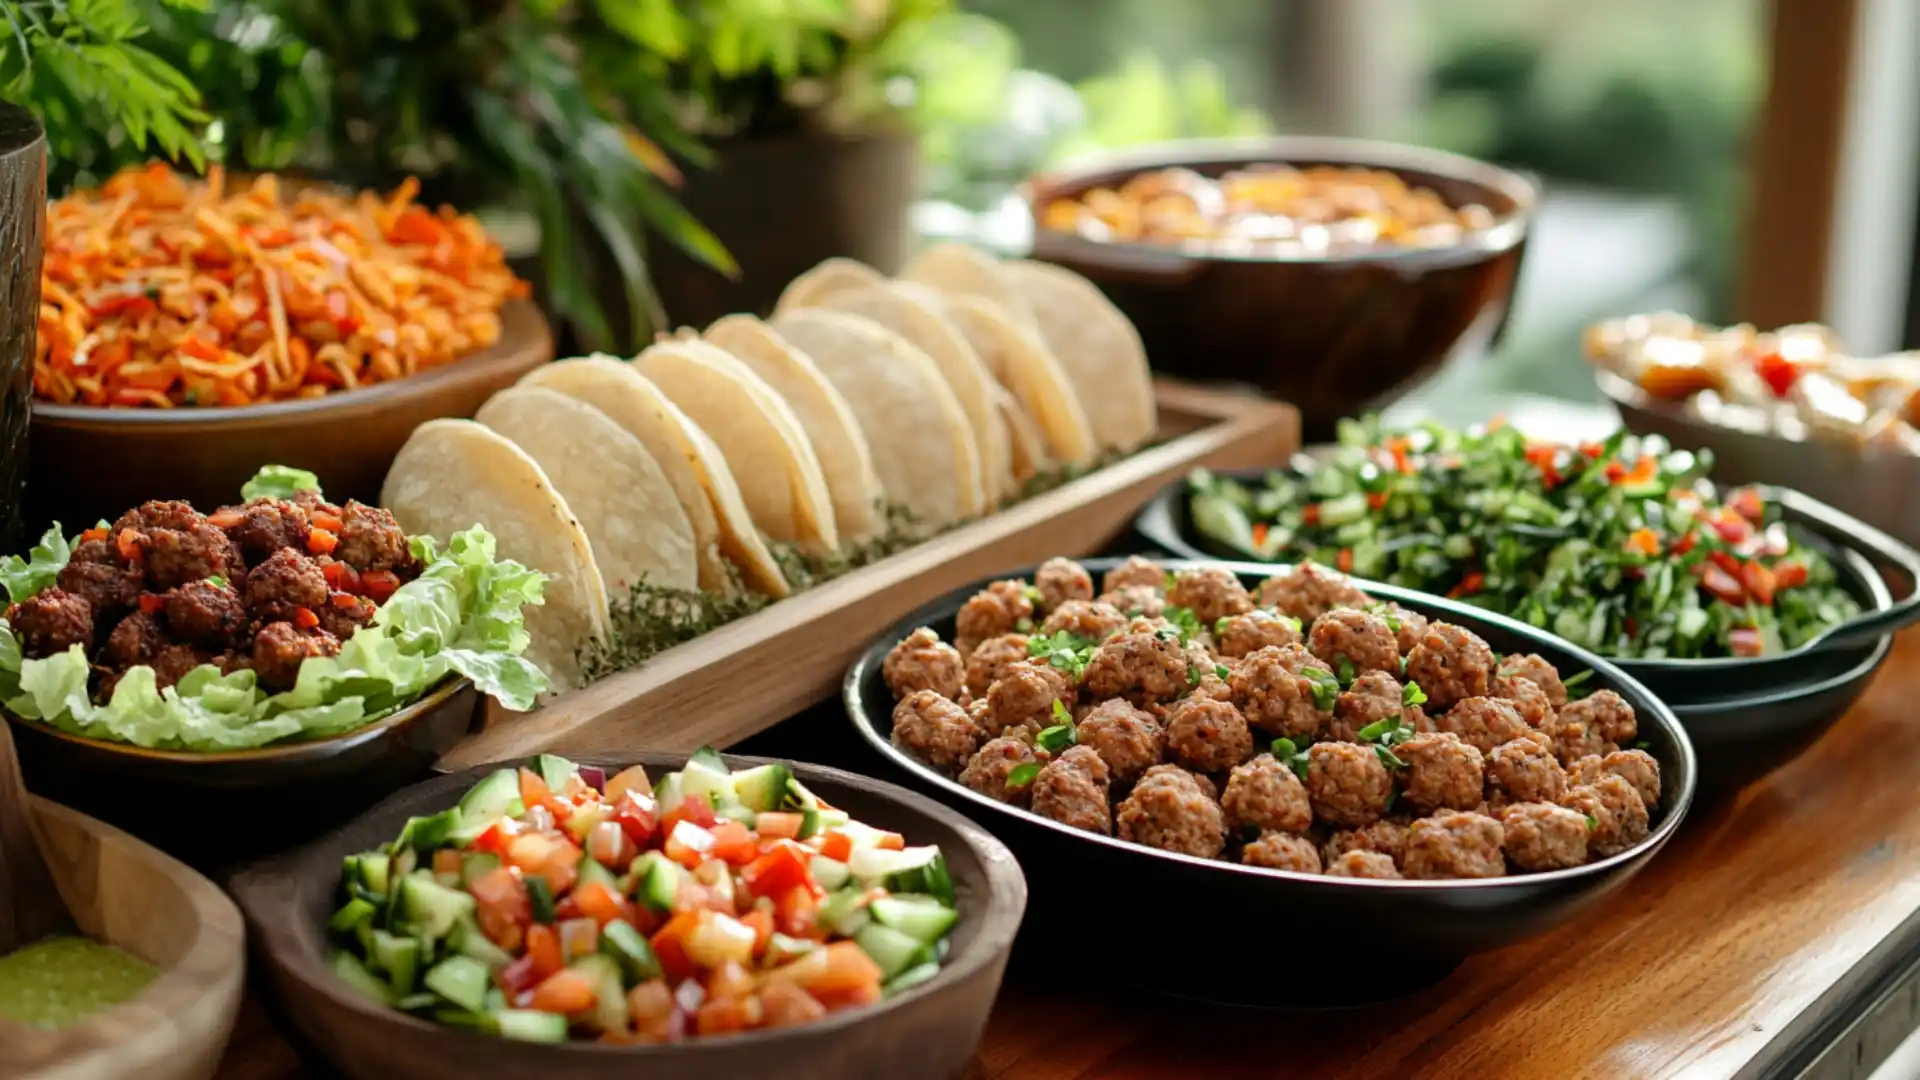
column 558, row 902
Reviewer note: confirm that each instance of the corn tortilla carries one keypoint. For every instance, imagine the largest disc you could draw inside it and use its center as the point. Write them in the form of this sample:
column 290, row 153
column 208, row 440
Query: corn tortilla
column 831, row 276
column 1098, row 349
column 955, row 270
column 1021, row 362
column 1023, row 437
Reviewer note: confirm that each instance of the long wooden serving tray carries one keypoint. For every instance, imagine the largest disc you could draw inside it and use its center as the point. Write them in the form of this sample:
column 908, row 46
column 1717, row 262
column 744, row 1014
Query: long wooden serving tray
column 748, row 676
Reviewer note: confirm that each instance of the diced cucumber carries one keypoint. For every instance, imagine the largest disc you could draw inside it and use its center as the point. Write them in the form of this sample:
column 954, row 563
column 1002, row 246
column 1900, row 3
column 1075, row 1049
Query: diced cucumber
column 417, row 1002
column 763, row 787
column 657, row 881
column 919, row 917
column 809, row 824
column 529, row 1025
column 540, row 898
column 399, row 957
column 829, row 874
column 709, row 758
column 424, row 834
column 610, row 997
column 914, row 870
column 831, row 819
column 555, row 770
column 912, row 977
column 698, row 779
column 591, row 870
column 404, row 861
column 629, row 949
column 468, row 940
column 373, row 870
column 892, row 950
column 461, row 1018
column 798, row 797
column 737, row 811
column 844, row 912
column 668, row 794
column 477, row 864
column 782, row 949
column 461, row 980
column 430, row 907
column 497, row 795
column 351, row 914
column 351, row 971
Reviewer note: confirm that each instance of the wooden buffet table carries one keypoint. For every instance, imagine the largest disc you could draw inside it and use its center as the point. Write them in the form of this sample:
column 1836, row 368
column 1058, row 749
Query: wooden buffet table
column 1778, row 935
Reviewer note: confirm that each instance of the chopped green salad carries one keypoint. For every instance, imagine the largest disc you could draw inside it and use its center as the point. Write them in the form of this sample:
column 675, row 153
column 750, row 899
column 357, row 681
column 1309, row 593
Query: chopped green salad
column 1620, row 546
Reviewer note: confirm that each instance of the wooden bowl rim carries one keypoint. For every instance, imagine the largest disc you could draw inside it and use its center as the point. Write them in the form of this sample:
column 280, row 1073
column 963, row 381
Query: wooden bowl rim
column 1005, row 893
column 523, row 333
column 215, row 955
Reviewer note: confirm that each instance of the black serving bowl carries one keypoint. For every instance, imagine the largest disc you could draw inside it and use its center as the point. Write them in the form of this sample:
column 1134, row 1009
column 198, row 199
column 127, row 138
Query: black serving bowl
column 1335, row 334
column 1228, row 932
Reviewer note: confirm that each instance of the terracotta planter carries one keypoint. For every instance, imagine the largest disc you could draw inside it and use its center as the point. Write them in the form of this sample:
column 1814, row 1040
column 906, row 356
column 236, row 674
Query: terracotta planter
column 23, row 216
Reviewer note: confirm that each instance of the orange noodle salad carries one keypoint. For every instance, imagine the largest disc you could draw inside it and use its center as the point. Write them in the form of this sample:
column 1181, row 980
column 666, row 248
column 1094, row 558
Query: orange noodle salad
column 162, row 290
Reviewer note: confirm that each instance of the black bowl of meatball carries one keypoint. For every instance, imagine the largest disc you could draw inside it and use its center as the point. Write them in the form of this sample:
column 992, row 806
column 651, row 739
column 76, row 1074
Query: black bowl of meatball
column 1349, row 792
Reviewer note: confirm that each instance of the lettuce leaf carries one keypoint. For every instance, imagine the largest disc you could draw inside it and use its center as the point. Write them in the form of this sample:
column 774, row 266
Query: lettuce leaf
column 24, row 577
column 278, row 482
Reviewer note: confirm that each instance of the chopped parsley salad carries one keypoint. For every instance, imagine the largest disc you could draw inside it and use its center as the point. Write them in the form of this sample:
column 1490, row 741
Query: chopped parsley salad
column 558, row 902
column 1620, row 546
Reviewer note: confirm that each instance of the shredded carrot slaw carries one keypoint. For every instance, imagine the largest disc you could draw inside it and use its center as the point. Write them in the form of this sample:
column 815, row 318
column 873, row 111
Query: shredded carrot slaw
column 160, row 290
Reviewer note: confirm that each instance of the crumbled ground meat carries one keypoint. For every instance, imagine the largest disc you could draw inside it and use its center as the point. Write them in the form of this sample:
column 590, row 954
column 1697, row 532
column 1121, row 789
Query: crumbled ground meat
column 344, row 614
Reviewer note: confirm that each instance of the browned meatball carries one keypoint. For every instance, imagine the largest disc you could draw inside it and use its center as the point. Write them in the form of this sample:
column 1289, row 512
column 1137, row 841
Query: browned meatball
column 1618, row 816
column 1173, row 812
column 158, row 514
column 1636, row 767
column 371, row 540
column 174, row 557
column 1266, row 795
column 1274, row 697
column 935, row 730
column 1308, row 591
column 1543, row 836
column 206, row 614
column 313, row 503
column 1450, row 663
column 1534, row 668
column 1212, row 593
column 1523, row 771
column 1373, row 697
column 96, row 576
column 1126, row 738
column 1206, row 735
column 1072, row 790
column 1023, row 698
column 990, row 660
column 172, row 663
column 1605, row 714
column 1573, row 739
column 1347, row 784
column 284, row 583
column 1171, row 773
column 136, row 640
column 988, row 771
column 1482, row 721
column 1138, row 665
column 1135, row 600
column 1363, row 864
column 279, row 649
column 345, row 613
column 1061, row 580
column 1408, row 626
column 265, row 526
column 1087, row 619
column 923, row 662
column 1454, row 844
column 1136, row 571
column 1001, row 608
column 1526, row 697
column 1240, row 635
column 1282, row 851
column 1350, row 641
column 1443, row 773
column 1387, row 838
column 51, row 621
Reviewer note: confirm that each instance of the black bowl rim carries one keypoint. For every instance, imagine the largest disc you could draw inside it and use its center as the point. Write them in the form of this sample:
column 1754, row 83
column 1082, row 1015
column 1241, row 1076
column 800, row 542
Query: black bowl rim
column 1876, row 654
column 1504, row 234
column 1644, row 702
column 431, row 699
column 998, row 928
column 1156, row 522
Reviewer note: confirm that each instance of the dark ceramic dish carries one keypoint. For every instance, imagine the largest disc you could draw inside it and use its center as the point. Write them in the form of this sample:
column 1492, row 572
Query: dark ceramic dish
column 1257, row 936
column 1334, row 334
column 929, row 1031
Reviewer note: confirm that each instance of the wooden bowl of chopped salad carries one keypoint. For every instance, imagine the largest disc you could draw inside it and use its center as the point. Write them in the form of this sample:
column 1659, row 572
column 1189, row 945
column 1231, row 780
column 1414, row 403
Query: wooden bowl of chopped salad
column 192, row 328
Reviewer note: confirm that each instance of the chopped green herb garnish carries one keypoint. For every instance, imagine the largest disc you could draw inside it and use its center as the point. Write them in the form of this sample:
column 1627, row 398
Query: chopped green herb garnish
column 1056, row 738
column 1293, row 757
column 1643, row 745
column 1169, row 581
column 1326, row 688
column 1032, row 593
column 1411, row 694
column 1389, row 758
column 1283, row 748
column 1222, row 671
column 1185, row 621
column 1193, row 675
column 1061, row 713
column 1344, row 668
column 1592, row 823
column 1063, row 650
column 217, row 580
column 1393, row 794
column 1021, row 775
column 1220, row 625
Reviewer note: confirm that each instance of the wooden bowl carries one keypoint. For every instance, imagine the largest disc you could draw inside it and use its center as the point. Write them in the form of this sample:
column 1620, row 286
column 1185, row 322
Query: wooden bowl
column 126, row 894
column 928, row 1032
column 89, row 462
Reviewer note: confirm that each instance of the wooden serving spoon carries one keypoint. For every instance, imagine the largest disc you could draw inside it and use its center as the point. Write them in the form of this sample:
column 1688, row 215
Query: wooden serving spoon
column 31, row 907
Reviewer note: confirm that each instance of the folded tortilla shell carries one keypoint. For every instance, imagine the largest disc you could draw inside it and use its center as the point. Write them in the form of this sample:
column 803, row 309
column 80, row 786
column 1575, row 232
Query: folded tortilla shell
column 956, row 269
column 831, row 276
column 1098, row 349
column 1022, row 363
column 1023, row 436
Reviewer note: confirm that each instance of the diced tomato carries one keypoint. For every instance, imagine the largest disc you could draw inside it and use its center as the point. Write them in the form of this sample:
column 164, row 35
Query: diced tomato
column 1746, row 641
column 564, row 992
column 1260, row 533
column 1722, row 585
column 1402, row 461
column 1760, row 582
column 1789, row 574
column 1644, row 541
column 566, row 908
column 496, row 838
column 695, row 808
column 1748, row 504
column 543, row 945
column 415, row 226
column 846, row 967
column 786, row 1005
column 1376, row 500
column 579, row 936
column 634, row 779
column 669, row 945
column 779, row 871
column 154, row 604
column 650, row 1005
column 637, row 816
column 778, row 825
column 324, row 520
column 1344, row 561
column 378, row 585
column 501, row 903
column 446, row 861
column 733, row 843
column 534, row 792
column 1469, row 585
column 796, row 914
column 1310, row 514
column 1777, row 372
column 340, row 576
column 837, row 845
column 609, row 845
column 224, row 519
column 1592, row 450
column 129, row 544
column 891, row 841
column 761, row 919
column 1542, row 456
column 321, row 542
column 518, row 977
column 855, row 997
column 688, row 844
column 305, row 619
column 599, row 903
column 728, row 1014
column 1685, row 544
column 562, row 870
column 1732, row 528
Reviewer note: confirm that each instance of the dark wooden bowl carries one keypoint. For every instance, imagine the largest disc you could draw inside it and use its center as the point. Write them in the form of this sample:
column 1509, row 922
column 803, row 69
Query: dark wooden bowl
column 1268, row 937
column 929, row 1031
column 1333, row 334
column 216, row 807
column 90, row 463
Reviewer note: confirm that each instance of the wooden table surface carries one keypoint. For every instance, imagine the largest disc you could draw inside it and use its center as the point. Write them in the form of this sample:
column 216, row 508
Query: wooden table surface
column 1777, row 935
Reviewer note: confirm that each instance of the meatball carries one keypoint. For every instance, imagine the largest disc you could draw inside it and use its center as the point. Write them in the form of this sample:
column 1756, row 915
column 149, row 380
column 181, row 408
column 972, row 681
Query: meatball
column 1443, row 773
column 265, row 526
column 1454, row 844
column 987, row 772
column 1282, row 851
column 1605, row 714
column 923, row 662
column 1363, row 864
column 1309, row 591
column 1206, row 735
column 1022, row 699
column 1175, row 774
column 1240, row 635
column 1573, row 740
column 1617, row 816
column 1138, row 665
column 1061, row 580
column 1136, row 571
column 51, row 621
column 1212, row 593
column 1482, row 721
column 279, row 649
column 1636, row 767
column 1126, row 738
column 1087, row 619
column 136, row 640
column 1408, row 626
column 1373, row 697
column 934, row 730
column 1001, row 608
column 176, row 556
column 1526, row 697
column 206, row 614
column 110, row 589
column 1264, row 794
column 1450, row 663
column 1387, row 838
column 314, row 503
column 1072, row 790
column 1347, row 784
column 1543, row 836
column 1534, row 668
column 1523, row 771
column 371, row 540
column 173, row 662
column 990, row 660
column 1172, row 811
column 285, row 582
column 345, row 614
column 158, row 514
column 1135, row 600
column 1361, row 640
column 1274, row 697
